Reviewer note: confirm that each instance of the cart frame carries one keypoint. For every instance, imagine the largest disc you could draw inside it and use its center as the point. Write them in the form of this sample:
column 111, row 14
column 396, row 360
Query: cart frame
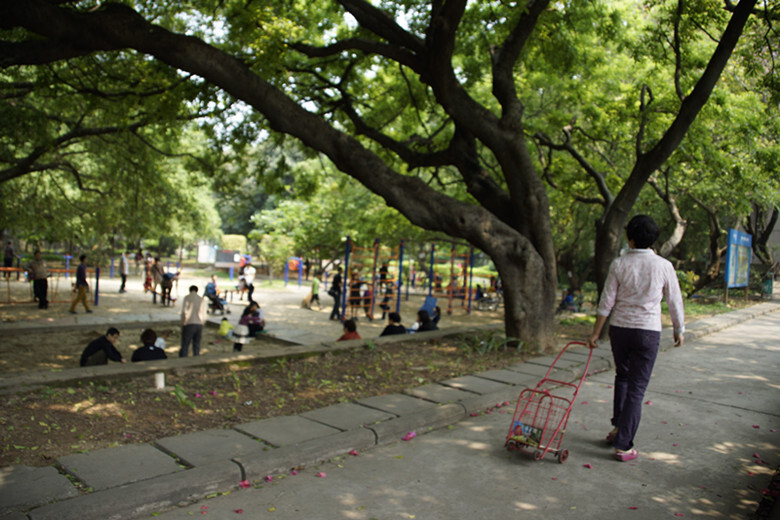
column 541, row 416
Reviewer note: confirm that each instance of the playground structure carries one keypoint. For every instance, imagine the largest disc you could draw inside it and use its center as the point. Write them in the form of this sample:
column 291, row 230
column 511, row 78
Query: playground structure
column 456, row 269
column 374, row 277
column 60, row 288
column 371, row 275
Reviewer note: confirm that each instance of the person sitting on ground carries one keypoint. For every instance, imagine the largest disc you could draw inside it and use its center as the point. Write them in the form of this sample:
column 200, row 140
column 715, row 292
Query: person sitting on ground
column 567, row 302
column 225, row 329
column 252, row 317
column 100, row 350
column 148, row 352
column 424, row 322
column 394, row 327
column 350, row 331
column 162, row 339
column 436, row 317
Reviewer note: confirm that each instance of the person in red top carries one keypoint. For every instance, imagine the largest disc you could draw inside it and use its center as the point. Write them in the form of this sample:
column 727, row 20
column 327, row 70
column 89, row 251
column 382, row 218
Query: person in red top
column 350, row 331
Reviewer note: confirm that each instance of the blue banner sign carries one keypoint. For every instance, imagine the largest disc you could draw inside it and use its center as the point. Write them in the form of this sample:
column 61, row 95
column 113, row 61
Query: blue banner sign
column 738, row 255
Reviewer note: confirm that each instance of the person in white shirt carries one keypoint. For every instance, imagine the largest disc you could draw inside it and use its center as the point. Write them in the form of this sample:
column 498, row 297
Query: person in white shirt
column 193, row 316
column 249, row 279
column 635, row 285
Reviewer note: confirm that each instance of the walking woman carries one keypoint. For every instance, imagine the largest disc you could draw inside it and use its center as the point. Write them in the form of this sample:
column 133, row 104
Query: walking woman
column 635, row 285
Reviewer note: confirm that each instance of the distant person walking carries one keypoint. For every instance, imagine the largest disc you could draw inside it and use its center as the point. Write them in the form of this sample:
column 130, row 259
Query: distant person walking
column 335, row 293
column 82, row 286
column 635, row 285
column 249, row 279
column 193, row 316
column 39, row 274
column 157, row 274
column 124, row 270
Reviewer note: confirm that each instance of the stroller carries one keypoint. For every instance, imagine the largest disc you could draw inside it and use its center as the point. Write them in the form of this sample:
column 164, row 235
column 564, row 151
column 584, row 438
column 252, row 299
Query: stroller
column 215, row 302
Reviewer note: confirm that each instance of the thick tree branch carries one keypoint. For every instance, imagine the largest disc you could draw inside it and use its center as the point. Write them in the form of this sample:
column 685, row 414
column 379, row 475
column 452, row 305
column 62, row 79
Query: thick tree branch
column 568, row 147
column 378, row 22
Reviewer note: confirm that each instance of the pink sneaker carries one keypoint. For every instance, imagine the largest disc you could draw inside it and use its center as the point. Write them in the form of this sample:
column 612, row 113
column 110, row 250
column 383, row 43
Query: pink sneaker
column 625, row 456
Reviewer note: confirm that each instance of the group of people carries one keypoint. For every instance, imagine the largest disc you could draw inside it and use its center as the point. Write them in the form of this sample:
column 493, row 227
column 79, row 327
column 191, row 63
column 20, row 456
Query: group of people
column 424, row 323
column 103, row 349
column 38, row 272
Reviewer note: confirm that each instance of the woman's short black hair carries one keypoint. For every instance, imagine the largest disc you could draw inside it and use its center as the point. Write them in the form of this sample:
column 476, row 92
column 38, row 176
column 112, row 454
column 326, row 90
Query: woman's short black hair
column 350, row 325
column 148, row 337
column 394, row 317
column 643, row 230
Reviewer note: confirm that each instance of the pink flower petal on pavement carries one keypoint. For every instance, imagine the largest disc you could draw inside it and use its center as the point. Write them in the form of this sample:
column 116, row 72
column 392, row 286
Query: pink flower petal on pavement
column 505, row 403
column 294, row 472
column 269, row 478
column 679, row 514
column 675, row 444
column 587, row 465
column 649, row 403
column 354, row 453
column 474, row 414
column 321, row 474
column 633, row 507
column 214, row 392
column 584, row 402
column 409, row 436
column 756, row 456
column 198, row 395
column 245, row 484
column 756, row 426
column 238, row 511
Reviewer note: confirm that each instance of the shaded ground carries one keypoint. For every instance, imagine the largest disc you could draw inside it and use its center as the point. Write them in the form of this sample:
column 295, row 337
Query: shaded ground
column 37, row 427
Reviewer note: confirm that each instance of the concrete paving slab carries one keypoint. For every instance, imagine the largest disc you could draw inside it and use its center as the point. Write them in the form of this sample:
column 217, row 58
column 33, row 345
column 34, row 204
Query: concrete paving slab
column 529, row 369
column 209, row 446
column 419, row 422
column 143, row 498
column 287, row 430
column 438, row 393
column 111, row 467
column 257, row 466
column 347, row 416
column 26, row 486
column 477, row 385
column 397, row 404
column 509, row 377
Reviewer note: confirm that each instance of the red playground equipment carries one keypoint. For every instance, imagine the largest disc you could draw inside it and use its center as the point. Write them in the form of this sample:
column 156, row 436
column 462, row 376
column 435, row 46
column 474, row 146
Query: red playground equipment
column 541, row 417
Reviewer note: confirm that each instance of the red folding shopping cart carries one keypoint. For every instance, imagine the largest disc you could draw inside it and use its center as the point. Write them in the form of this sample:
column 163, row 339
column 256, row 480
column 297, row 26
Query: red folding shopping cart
column 542, row 413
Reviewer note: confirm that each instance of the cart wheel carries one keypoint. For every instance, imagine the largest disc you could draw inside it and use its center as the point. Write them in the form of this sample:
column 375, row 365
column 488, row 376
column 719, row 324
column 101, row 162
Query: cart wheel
column 538, row 455
column 563, row 455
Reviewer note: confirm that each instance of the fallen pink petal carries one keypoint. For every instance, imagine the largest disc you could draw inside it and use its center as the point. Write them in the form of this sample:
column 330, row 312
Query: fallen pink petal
column 584, row 402
column 269, row 478
column 198, row 395
column 294, row 472
column 321, row 474
column 506, row 403
column 756, row 426
column 245, row 484
column 633, row 507
column 409, row 436
column 679, row 514
column 675, row 444
column 756, row 456
column 238, row 511
column 649, row 403
column 474, row 414
column 354, row 453
column 214, row 392
column 587, row 465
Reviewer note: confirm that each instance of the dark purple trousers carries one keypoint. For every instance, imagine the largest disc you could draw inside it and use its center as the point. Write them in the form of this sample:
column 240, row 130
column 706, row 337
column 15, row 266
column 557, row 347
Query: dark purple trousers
column 634, row 351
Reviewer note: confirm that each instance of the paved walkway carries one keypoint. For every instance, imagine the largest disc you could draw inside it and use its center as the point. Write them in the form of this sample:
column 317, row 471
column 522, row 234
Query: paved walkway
column 722, row 382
